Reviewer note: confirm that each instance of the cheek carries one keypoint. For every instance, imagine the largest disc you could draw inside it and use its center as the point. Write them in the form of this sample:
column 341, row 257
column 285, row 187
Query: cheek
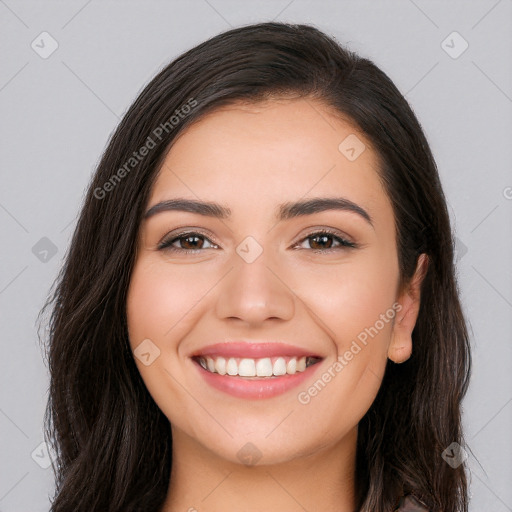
column 359, row 317
column 160, row 307
column 161, row 301
column 349, row 298
column 355, row 305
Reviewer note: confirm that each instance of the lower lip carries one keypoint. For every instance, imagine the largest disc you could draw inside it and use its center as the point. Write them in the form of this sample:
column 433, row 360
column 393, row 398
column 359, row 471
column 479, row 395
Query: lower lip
column 254, row 388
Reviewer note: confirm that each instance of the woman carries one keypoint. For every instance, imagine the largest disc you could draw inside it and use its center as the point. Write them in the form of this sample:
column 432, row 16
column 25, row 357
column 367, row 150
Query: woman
column 258, row 310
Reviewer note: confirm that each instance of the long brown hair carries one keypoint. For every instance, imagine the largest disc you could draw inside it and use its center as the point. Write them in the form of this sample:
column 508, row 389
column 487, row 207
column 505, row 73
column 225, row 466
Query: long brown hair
column 113, row 444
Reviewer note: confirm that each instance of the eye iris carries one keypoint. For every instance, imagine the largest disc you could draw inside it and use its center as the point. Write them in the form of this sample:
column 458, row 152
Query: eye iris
column 323, row 238
column 186, row 239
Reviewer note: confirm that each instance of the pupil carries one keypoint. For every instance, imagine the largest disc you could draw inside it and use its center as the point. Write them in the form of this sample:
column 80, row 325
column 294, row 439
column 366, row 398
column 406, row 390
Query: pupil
column 323, row 239
column 188, row 238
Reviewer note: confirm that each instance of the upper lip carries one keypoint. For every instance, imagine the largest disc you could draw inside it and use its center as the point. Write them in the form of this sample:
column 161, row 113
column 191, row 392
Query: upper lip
column 253, row 350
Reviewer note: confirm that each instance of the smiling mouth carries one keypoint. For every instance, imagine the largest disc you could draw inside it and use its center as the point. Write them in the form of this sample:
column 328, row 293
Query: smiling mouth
column 266, row 367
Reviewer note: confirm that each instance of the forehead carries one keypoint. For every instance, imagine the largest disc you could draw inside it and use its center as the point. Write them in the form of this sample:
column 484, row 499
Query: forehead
column 272, row 151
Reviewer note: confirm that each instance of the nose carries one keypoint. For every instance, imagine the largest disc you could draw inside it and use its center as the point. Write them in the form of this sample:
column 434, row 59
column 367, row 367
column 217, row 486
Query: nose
column 255, row 292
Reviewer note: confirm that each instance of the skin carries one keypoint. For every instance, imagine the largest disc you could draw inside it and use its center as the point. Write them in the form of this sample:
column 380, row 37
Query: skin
column 252, row 158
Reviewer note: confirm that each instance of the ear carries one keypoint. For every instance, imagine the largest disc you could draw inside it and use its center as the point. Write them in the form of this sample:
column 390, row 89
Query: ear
column 400, row 347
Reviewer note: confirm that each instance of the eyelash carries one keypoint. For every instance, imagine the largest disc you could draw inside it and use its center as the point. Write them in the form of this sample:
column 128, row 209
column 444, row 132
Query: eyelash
column 343, row 243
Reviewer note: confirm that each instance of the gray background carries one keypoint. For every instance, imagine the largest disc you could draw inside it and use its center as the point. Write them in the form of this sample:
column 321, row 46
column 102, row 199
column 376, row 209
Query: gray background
column 58, row 112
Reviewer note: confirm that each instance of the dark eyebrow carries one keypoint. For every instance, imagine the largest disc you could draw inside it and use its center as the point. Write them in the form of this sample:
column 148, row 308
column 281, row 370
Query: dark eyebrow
column 285, row 211
column 190, row 205
column 320, row 204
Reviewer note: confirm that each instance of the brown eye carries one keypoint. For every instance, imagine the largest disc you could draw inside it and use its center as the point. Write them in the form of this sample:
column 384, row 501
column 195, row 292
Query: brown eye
column 191, row 242
column 324, row 241
column 186, row 242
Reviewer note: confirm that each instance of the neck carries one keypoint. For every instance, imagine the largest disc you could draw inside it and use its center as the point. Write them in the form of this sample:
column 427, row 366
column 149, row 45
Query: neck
column 202, row 480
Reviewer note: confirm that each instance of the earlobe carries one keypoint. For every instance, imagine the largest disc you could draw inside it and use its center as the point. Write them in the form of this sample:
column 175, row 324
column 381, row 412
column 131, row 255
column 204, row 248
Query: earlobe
column 400, row 347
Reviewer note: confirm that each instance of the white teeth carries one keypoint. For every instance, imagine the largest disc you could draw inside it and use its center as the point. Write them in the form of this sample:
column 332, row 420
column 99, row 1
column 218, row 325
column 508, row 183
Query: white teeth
column 231, row 367
column 220, row 366
column 210, row 363
column 291, row 366
column 247, row 367
column 279, row 367
column 264, row 367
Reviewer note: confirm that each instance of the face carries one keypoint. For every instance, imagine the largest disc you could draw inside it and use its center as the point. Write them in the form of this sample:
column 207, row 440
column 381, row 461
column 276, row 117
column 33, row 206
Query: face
column 266, row 288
